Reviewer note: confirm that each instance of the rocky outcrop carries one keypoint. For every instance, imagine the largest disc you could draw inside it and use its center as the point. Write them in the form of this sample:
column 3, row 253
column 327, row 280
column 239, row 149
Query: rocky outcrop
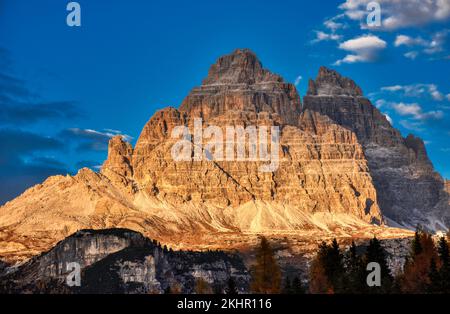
column 409, row 190
column 238, row 82
column 123, row 261
column 331, row 83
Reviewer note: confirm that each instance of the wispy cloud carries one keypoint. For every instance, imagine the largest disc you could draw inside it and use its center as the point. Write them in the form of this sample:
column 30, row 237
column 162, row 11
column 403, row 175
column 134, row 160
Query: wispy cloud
column 90, row 139
column 404, row 40
column 322, row 36
column 416, row 90
column 415, row 111
column 298, row 80
column 411, row 55
column 432, row 46
column 334, row 24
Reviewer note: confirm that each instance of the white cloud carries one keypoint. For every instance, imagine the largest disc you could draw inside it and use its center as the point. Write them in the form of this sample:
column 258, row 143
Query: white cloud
column 365, row 48
column 413, row 126
column 415, row 111
column 431, row 46
column 416, row 90
column 322, row 36
column 403, row 40
column 398, row 14
column 411, row 55
column 407, row 109
column 363, row 42
column 297, row 80
column 437, row 42
column 333, row 24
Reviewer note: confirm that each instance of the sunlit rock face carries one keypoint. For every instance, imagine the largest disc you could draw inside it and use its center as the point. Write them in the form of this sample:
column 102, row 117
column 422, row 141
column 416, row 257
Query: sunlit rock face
column 409, row 190
column 331, row 176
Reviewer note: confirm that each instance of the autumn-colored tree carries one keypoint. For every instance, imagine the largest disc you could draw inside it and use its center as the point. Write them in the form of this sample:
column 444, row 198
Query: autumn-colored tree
column 202, row 287
column 266, row 274
column 416, row 271
column 325, row 267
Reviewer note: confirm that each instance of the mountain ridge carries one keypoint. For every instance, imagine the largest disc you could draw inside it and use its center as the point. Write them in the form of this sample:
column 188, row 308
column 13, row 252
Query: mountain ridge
column 323, row 185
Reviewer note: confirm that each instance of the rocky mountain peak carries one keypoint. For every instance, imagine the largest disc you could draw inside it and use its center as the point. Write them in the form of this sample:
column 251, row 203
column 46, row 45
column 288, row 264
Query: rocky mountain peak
column 238, row 82
column 240, row 67
column 330, row 83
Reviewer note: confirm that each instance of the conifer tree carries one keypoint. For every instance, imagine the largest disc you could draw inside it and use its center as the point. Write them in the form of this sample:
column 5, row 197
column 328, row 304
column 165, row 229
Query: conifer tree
column 231, row 289
column 444, row 271
column 376, row 253
column 417, row 269
column 266, row 273
column 434, row 285
column 335, row 267
column 318, row 279
column 297, row 286
column 287, row 288
column 327, row 270
column 355, row 281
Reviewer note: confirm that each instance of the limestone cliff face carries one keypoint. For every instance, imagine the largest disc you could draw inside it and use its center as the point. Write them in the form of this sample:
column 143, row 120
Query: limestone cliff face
column 122, row 261
column 322, row 166
column 409, row 191
column 323, row 182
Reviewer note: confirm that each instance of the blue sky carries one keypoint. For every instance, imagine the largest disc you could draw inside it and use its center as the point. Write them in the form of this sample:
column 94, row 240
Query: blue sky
column 65, row 90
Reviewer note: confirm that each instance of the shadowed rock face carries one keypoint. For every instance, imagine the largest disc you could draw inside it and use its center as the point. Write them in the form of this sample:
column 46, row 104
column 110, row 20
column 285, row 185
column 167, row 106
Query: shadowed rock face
column 123, row 261
column 409, row 191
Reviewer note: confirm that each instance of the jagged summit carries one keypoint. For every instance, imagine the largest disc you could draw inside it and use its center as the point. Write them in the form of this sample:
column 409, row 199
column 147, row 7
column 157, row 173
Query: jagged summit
column 240, row 67
column 238, row 82
column 330, row 83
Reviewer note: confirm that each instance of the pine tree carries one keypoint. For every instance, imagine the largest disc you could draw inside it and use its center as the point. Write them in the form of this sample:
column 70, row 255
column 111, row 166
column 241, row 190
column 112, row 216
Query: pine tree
column 287, row 288
column 376, row 253
column 355, row 279
column 416, row 245
column 231, row 289
column 434, row 285
column 318, row 280
column 327, row 270
column 444, row 271
column 334, row 267
column 297, row 286
column 266, row 273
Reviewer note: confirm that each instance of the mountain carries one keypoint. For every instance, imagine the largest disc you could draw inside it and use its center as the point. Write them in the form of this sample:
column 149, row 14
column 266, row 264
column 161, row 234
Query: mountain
column 409, row 190
column 123, row 261
column 336, row 152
